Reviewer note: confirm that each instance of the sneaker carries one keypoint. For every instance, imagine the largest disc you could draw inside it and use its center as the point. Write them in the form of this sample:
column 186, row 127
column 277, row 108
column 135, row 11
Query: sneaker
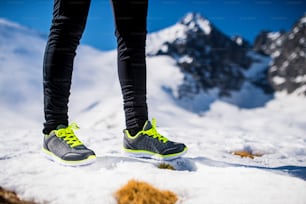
column 148, row 143
column 63, row 146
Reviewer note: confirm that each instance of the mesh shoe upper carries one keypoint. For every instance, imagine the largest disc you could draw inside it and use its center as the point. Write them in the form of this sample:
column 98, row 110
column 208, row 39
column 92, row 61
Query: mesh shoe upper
column 151, row 142
column 64, row 144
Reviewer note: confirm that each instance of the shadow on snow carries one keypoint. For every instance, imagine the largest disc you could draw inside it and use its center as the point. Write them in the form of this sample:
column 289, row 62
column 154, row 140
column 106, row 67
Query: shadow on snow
column 295, row 171
column 189, row 164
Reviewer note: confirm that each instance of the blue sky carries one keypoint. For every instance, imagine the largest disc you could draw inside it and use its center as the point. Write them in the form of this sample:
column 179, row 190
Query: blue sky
column 233, row 17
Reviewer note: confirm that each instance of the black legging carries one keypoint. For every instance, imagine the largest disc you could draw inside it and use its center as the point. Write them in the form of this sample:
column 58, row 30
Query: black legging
column 68, row 24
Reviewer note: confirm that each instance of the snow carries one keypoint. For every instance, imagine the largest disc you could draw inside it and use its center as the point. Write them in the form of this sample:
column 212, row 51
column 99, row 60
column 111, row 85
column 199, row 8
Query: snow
column 291, row 36
column 303, row 20
column 205, row 26
column 276, row 54
column 292, row 56
column 239, row 41
column 191, row 21
column 279, row 42
column 209, row 172
column 300, row 79
column 301, row 90
column 169, row 34
column 274, row 35
column 278, row 80
column 285, row 64
column 296, row 30
column 185, row 59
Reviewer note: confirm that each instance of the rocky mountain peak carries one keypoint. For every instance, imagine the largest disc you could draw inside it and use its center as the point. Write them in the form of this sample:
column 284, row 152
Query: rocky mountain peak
column 207, row 57
column 195, row 22
column 287, row 71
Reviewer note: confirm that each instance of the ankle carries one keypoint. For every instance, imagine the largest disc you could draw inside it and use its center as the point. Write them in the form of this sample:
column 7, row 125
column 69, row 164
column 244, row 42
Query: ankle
column 136, row 127
column 134, row 131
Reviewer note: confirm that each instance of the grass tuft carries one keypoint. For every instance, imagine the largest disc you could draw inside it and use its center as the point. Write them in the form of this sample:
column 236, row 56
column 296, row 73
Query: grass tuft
column 137, row 192
column 246, row 154
column 165, row 166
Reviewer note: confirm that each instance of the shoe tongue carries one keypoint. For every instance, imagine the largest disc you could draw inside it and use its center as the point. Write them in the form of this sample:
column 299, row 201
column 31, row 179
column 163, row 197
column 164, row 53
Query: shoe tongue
column 147, row 126
column 61, row 127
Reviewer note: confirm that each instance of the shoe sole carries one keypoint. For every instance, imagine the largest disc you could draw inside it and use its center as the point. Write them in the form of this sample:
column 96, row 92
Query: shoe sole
column 153, row 155
column 49, row 155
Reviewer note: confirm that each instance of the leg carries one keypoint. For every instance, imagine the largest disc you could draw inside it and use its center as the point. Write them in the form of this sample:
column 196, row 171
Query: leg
column 141, row 138
column 60, row 144
column 69, row 19
column 131, row 21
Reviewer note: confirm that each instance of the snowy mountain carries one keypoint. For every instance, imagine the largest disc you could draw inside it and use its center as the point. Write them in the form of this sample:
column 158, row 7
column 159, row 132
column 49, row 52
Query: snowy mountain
column 208, row 58
column 288, row 70
column 21, row 57
column 20, row 62
column 214, row 128
column 22, row 91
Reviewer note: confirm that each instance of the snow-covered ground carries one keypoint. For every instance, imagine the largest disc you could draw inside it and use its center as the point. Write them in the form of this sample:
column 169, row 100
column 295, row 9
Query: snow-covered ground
column 208, row 173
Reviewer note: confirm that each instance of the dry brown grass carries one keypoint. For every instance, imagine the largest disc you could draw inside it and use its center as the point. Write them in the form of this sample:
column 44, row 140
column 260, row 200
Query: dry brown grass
column 246, row 154
column 9, row 197
column 137, row 192
column 165, row 166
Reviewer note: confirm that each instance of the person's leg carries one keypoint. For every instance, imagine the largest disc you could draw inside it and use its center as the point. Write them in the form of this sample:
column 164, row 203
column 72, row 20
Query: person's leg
column 131, row 29
column 68, row 23
column 60, row 144
column 141, row 138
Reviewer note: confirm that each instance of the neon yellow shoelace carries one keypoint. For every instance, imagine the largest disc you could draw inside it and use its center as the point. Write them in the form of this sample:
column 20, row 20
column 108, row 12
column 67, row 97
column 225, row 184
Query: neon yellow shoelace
column 68, row 135
column 153, row 132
